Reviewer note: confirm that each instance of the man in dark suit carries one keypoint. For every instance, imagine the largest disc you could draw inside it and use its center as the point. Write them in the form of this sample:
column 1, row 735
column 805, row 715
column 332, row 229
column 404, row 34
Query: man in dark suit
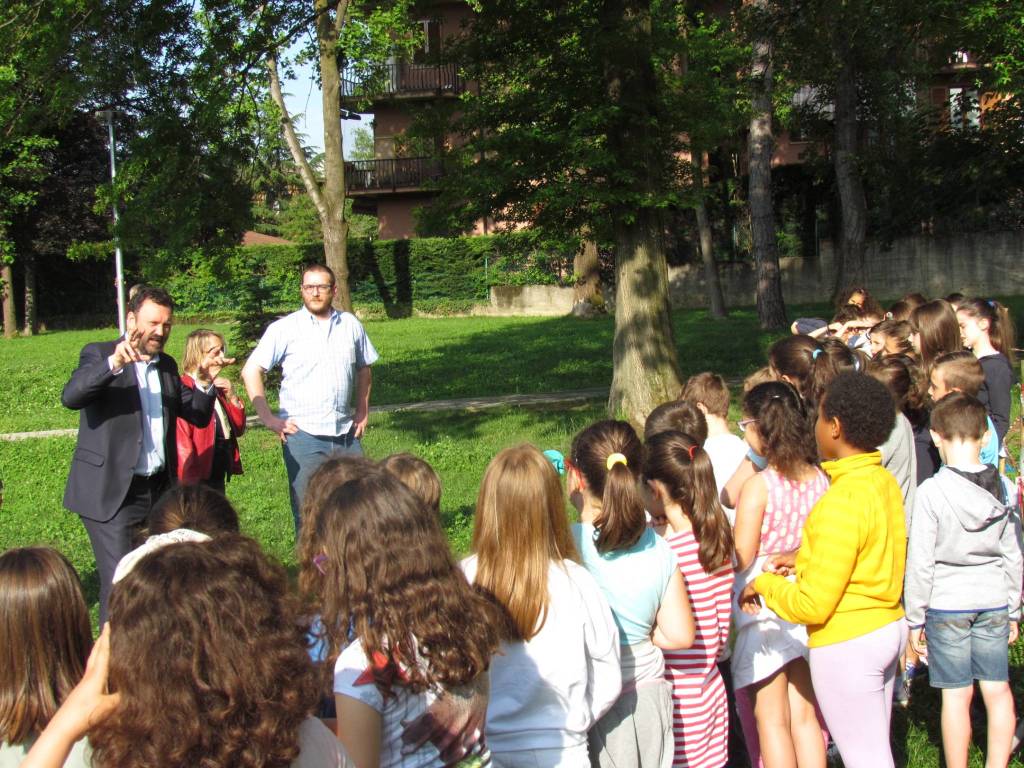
column 129, row 396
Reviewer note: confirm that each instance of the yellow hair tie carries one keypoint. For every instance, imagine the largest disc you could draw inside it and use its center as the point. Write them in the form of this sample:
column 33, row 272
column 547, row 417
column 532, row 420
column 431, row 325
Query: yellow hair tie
column 616, row 458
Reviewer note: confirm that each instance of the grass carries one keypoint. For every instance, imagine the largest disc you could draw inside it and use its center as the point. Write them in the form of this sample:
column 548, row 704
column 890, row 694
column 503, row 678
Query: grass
column 457, row 445
column 421, row 359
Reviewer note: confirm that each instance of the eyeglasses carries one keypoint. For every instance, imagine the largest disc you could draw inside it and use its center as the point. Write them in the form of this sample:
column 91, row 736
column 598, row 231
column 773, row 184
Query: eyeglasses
column 744, row 423
column 318, row 288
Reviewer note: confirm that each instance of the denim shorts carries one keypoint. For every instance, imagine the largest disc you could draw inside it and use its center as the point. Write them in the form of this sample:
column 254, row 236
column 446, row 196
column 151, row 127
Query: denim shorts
column 967, row 646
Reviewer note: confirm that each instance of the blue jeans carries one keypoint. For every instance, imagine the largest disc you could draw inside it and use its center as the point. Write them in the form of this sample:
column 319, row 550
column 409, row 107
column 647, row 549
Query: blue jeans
column 964, row 646
column 303, row 453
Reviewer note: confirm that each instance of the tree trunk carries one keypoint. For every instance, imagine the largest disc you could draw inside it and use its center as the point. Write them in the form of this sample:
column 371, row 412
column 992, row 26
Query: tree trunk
column 771, row 310
column 852, row 201
column 328, row 30
column 330, row 198
column 7, row 297
column 29, row 268
column 644, row 357
column 587, row 298
column 716, row 302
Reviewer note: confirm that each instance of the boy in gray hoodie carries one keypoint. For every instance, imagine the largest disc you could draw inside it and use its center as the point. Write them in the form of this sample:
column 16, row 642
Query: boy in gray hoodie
column 963, row 581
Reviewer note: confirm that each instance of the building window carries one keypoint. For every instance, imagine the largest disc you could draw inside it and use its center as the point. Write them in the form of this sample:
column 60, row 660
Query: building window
column 430, row 51
column 964, row 109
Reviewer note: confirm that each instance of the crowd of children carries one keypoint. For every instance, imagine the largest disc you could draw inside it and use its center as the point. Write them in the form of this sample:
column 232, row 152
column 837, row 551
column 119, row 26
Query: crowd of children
column 720, row 600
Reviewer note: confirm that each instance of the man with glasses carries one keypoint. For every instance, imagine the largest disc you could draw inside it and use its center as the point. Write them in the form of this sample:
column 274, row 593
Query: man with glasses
column 325, row 358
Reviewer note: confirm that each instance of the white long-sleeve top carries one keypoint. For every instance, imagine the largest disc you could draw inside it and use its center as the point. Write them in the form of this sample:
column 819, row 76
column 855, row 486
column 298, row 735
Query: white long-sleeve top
column 547, row 692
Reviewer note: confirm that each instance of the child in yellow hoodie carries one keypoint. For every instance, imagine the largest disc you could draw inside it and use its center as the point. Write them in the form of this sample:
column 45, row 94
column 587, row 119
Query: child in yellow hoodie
column 849, row 573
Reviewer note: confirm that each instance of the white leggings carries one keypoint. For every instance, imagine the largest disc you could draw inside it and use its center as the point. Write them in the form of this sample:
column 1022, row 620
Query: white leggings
column 853, row 682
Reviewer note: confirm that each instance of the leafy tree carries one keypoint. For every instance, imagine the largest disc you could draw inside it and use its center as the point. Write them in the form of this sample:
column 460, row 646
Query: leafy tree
column 573, row 129
column 36, row 91
column 862, row 64
column 184, row 124
column 61, row 218
column 712, row 106
column 771, row 311
column 362, row 33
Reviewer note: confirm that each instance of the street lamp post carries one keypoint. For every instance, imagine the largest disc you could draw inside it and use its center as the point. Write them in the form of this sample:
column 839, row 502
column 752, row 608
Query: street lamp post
column 107, row 116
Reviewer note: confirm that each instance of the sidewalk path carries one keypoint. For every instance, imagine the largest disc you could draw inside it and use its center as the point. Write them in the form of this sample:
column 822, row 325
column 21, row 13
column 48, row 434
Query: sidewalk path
column 455, row 404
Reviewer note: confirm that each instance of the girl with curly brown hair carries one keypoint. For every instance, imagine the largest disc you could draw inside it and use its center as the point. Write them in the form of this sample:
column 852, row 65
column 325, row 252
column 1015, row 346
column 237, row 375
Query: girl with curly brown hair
column 769, row 656
column 44, row 641
column 205, row 657
column 638, row 575
column 418, row 628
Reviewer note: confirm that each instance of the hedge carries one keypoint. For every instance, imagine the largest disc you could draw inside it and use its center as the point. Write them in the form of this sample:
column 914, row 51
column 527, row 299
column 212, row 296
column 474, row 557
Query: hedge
column 395, row 274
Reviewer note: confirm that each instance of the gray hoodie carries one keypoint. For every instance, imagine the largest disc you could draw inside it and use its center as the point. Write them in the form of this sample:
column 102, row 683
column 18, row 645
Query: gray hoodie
column 964, row 552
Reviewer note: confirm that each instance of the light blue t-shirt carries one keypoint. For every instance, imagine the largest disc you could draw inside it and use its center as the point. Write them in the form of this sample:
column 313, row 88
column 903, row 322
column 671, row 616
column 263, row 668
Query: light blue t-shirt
column 990, row 450
column 633, row 580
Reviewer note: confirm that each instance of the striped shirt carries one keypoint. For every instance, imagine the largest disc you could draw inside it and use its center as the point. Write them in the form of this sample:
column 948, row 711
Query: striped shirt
column 700, row 708
column 319, row 360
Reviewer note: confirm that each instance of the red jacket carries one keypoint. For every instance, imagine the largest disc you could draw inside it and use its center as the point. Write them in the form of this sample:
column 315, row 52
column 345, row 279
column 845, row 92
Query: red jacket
column 195, row 444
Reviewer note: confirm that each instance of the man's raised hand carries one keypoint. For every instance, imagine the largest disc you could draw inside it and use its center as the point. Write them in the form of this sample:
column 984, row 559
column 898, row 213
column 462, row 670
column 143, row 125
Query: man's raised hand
column 127, row 350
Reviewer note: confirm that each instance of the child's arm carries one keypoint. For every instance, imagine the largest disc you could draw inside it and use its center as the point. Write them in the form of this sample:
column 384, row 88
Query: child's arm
column 1013, row 567
column 917, row 584
column 998, row 382
column 674, row 628
column 724, row 608
column 731, row 490
column 87, row 705
column 359, row 731
column 828, row 555
column 749, row 516
column 601, row 638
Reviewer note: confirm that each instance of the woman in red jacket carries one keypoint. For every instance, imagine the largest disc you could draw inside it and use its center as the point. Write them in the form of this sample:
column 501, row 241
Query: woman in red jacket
column 210, row 454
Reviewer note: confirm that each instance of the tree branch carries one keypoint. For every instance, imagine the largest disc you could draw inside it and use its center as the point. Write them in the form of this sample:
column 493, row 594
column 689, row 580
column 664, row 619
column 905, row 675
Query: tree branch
column 292, row 140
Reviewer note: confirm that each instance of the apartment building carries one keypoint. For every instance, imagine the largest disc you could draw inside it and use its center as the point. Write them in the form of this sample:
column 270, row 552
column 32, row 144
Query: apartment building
column 394, row 184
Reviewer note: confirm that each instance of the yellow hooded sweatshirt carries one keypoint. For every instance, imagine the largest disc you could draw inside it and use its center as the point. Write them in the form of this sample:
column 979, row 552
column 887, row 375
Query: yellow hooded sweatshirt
column 849, row 570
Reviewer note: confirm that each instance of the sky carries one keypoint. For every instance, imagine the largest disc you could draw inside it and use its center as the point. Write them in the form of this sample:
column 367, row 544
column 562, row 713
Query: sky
column 302, row 97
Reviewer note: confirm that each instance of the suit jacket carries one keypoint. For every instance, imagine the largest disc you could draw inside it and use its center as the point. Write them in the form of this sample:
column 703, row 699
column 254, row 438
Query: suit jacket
column 110, row 428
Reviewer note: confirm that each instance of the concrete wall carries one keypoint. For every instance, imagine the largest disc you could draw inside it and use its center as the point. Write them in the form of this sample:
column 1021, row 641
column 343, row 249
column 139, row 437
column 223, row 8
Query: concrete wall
column 982, row 264
column 529, row 300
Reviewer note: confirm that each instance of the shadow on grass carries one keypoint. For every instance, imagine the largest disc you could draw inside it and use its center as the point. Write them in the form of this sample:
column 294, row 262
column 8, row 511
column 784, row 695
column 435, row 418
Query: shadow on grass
column 556, row 354
column 917, row 731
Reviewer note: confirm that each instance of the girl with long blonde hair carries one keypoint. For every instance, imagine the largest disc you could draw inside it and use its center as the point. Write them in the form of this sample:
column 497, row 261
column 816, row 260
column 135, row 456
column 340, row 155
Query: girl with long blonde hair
column 558, row 670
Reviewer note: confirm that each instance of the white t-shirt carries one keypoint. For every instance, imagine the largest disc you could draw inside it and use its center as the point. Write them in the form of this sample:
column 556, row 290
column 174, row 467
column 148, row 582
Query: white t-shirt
column 546, row 693
column 319, row 748
column 353, row 678
column 726, row 452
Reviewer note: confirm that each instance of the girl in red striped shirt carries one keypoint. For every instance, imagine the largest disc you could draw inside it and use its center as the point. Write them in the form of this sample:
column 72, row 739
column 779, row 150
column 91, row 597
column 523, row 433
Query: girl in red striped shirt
column 681, row 488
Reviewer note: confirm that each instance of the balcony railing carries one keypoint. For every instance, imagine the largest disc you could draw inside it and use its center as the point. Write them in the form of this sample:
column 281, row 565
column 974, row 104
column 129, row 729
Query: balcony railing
column 404, row 79
column 393, row 174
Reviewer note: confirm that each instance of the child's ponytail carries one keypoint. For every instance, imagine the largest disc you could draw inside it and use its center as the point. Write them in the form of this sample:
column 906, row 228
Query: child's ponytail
column 678, row 461
column 610, row 456
column 1001, row 331
column 831, row 358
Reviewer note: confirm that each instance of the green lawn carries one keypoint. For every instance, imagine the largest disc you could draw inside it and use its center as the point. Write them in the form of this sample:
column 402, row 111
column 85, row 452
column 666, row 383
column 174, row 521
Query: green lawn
column 420, row 359
column 457, row 445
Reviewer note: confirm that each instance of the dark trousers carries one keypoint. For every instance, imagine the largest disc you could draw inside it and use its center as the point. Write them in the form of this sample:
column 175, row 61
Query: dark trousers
column 113, row 539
